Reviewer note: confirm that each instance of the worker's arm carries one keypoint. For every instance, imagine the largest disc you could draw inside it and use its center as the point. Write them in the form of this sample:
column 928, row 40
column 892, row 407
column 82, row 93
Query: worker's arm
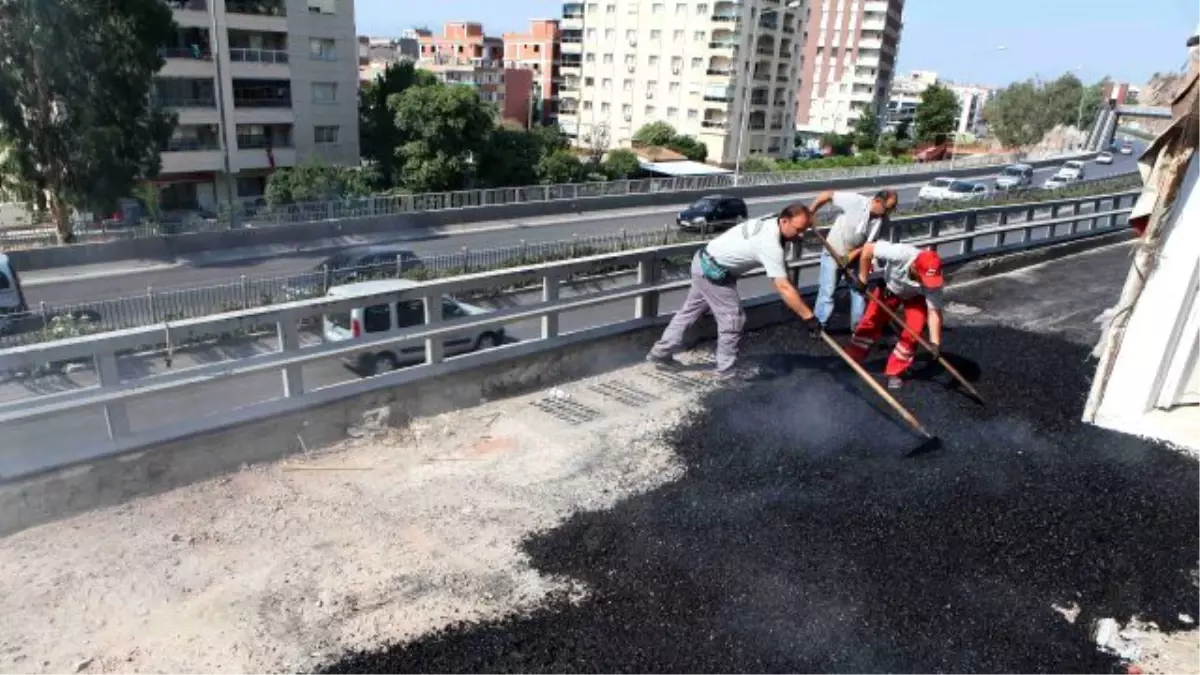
column 791, row 298
column 866, row 255
column 935, row 330
column 821, row 200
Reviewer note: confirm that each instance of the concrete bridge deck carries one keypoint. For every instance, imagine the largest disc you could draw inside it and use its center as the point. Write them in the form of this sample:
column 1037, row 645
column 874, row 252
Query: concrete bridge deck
column 633, row 521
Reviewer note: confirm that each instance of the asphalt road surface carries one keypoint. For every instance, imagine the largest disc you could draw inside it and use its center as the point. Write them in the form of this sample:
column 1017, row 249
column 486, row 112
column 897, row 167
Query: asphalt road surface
column 65, row 290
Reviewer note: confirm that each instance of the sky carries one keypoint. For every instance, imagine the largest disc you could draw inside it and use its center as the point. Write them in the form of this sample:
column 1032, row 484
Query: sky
column 960, row 39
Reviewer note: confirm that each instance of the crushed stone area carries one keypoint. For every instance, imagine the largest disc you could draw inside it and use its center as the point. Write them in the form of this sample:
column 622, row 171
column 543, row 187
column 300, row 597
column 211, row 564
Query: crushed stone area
column 280, row 567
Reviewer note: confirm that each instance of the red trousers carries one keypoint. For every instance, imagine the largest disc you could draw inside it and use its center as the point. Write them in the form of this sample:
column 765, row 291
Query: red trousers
column 874, row 319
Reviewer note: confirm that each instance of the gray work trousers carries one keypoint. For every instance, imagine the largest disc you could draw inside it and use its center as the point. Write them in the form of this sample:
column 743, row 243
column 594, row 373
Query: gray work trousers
column 705, row 296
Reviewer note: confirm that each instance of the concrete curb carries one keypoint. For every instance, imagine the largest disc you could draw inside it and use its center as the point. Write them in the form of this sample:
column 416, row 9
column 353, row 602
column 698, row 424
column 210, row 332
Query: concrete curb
column 979, row 269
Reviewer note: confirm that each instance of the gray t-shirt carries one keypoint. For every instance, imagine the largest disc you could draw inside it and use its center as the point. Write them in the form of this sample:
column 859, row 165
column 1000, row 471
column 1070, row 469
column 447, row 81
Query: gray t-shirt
column 856, row 226
column 897, row 260
column 752, row 243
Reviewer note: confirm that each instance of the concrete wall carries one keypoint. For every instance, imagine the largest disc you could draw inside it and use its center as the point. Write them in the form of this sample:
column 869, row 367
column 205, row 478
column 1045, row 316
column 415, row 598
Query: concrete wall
column 59, row 493
column 430, row 222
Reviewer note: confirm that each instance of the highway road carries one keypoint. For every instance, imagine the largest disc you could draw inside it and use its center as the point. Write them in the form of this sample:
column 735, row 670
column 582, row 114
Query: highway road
column 67, row 290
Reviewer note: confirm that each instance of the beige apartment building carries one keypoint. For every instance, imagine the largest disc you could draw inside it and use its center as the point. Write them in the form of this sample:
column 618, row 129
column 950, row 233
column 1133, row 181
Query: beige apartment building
column 705, row 67
column 277, row 85
column 849, row 62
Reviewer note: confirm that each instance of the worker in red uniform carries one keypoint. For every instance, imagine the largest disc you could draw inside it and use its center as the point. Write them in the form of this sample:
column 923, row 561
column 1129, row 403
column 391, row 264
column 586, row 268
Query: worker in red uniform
column 912, row 279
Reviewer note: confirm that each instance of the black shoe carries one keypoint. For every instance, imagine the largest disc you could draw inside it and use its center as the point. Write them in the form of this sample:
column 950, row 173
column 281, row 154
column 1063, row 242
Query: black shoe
column 663, row 362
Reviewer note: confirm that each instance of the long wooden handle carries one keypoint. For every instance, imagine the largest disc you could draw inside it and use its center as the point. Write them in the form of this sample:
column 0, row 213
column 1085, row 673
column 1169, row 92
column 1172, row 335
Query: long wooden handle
column 866, row 377
column 903, row 326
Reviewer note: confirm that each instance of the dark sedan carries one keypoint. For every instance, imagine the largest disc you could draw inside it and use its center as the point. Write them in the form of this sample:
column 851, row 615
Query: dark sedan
column 713, row 213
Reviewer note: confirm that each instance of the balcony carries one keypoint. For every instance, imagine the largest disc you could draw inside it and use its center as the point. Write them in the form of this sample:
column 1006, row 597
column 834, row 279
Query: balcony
column 724, row 44
column 720, row 72
column 191, row 161
column 719, row 95
column 727, row 12
column 258, row 15
column 264, row 159
column 190, row 13
column 719, row 125
column 762, row 77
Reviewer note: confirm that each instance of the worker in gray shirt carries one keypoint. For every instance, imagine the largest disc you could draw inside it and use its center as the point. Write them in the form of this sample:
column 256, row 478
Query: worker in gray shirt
column 862, row 221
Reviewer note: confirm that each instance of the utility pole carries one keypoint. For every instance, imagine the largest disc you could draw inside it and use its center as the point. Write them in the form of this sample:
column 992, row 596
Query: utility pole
column 222, row 120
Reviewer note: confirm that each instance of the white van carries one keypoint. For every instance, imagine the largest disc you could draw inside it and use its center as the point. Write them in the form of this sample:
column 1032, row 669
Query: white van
column 399, row 317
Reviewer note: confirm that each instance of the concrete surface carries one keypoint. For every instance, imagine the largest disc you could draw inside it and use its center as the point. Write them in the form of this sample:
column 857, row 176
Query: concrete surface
column 635, row 522
column 57, row 287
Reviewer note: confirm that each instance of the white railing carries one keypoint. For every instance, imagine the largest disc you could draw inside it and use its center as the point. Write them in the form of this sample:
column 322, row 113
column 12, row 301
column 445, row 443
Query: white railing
column 959, row 235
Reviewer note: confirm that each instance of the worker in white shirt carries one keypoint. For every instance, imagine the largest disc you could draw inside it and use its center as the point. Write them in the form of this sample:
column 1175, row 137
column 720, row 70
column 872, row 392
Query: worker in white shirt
column 912, row 279
column 863, row 220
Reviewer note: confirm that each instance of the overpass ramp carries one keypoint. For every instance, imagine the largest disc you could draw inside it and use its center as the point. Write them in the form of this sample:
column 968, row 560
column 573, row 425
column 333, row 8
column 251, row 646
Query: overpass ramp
column 636, row 521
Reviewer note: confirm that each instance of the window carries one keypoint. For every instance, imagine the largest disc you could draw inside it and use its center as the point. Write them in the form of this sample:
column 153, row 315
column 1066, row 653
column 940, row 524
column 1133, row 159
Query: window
column 677, row 36
column 651, row 85
column 324, row 92
column 604, row 107
column 410, row 313
column 322, row 49
column 653, row 59
column 590, row 34
column 589, row 57
column 325, row 134
column 697, row 62
column 587, row 105
column 699, row 36
column 377, row 319
column 701, row 9
column 322, row 6
column 610, row 9
column 589, row 81
column 680, row 8
column 672, row 113
column 631, row 35
column 649, row 111
column 676, row 64
column 658, row 8
column 692, row 114
column 593, row 7
column 673, row 87
column 610, row 34
column 606, row 83
column 627, row 110
column 656, row 35
column 627, row 85
column 608, row 58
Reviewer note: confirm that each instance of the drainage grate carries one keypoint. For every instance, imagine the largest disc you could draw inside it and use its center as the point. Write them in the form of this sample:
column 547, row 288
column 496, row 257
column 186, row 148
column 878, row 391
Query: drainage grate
column 567, row 410
column 677, row 381
column 623, row 392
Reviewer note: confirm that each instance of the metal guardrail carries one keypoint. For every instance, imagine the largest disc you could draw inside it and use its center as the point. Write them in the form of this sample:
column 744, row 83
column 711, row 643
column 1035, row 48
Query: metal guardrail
column 1007, row 227
column 393, row 205
column 248, row 291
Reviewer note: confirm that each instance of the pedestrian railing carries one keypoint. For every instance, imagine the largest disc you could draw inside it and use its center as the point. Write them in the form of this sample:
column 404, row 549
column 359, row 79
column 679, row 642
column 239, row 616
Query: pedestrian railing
column 155, row 305
column 958, row 235
column 261, row 214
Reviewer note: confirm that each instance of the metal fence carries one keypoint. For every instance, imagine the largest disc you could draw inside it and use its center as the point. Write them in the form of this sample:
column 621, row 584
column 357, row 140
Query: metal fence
column 260, row 214
column 123, row 426
column 51, row 322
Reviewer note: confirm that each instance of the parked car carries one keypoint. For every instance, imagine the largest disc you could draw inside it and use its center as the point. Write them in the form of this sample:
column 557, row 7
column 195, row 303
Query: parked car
column 1104, row 158
column 396, row 318
column 359, row 263
column 1072, row 169
column 934, row 189
column 1015, row 177
column 1127, row 148
column 961, row 191
column 1056, row 181
column 712, row 213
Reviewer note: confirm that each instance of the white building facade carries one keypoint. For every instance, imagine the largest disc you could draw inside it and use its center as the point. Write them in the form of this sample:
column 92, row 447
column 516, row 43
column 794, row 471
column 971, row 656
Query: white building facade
column 702, row 67
column 257, row 85
column 971, row 100
column 849, row 62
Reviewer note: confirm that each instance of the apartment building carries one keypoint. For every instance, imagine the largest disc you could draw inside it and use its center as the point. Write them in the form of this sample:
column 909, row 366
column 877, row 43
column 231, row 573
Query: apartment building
column 257, row 85
column 376, row 54
column 906, row 94
column 971, row 100
column 849, row 62
column 538, row 51
column 464, row 55
column 704, row 67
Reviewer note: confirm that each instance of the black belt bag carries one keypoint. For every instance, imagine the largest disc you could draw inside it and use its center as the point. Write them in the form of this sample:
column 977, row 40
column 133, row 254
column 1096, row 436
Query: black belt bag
column 713, row 270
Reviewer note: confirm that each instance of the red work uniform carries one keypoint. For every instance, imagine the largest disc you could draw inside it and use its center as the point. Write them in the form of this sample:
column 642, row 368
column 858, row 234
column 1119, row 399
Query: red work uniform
column 901, row 290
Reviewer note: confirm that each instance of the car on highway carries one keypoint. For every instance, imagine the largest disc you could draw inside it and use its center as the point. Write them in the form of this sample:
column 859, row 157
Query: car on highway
column 962, row 190
column 1104, row 158
column 1072, row 169
column 934, row 190
column 1015, row 177
column 713, row 213
column 1057, row 181
column 396, row 318
column 359, row 263
column 1126, row 148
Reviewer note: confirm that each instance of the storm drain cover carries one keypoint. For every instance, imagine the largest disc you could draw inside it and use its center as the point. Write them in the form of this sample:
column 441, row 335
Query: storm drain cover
column 677, row 381
column 623, row 392
column 567, row 410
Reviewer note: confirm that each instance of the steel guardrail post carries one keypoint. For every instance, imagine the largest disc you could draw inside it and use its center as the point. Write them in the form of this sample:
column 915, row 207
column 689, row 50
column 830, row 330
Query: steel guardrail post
column 550, row 291
column 646, row 306
column 969, row 225
column 116, row 415
column 434, row 347
column 289, row 341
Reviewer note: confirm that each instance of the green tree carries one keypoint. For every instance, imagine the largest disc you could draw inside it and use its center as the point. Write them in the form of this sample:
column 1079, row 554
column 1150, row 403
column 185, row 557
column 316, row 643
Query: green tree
column 378, row 136
column 621, row 163
column 549, row 139
column 937, row 113
column 510, row 158
column 904, row 131
column 76, row 111
column 447, row 128
column 838, row 144
column 866, row 130
column 757, row 164
column 1016, row 116
column 561, row 166
column 689, row 147
column 314, row 181
column 655, row 133
column 597, row 142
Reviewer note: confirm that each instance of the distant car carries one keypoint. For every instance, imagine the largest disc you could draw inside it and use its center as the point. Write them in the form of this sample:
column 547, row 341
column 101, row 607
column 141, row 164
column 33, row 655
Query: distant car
column 351, row 265
column 1127, row 148
column 934, row 190
column 398, row 317
column 713, row 213
column 1072, row 170
column 1015, row 177
column 1104, row 158
column 961, row 191
column 1056, row 181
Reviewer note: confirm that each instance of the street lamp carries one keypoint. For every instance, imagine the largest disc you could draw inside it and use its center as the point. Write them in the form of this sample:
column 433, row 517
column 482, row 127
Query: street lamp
column 745, row 112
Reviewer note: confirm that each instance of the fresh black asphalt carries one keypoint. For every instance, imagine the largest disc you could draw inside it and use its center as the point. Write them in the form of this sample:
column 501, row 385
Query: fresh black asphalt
column 801, row 538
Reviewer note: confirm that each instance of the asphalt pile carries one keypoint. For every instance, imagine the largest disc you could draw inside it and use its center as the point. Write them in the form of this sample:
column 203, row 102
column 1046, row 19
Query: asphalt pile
column 802, row 539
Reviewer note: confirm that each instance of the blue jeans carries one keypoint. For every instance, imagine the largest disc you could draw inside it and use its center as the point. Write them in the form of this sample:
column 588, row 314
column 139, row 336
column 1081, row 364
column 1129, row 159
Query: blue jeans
column 829, row 282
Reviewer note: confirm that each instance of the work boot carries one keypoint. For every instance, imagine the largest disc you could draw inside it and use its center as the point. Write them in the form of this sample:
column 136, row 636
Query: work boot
column 894, row 382
column 663, row 362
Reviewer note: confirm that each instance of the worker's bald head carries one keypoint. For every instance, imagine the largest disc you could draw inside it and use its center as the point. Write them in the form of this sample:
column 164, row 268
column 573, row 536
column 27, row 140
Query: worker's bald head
column 794, row 219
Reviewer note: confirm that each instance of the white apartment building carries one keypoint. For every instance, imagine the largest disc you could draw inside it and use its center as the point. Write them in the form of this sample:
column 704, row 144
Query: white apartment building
column 906, row 94
column 278, row 85
column 699, row 65
column 971, row 100
column 849, row 61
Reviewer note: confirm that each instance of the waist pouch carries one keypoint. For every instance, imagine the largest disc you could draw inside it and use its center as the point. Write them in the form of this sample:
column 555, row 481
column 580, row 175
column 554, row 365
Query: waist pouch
column 712, row 270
